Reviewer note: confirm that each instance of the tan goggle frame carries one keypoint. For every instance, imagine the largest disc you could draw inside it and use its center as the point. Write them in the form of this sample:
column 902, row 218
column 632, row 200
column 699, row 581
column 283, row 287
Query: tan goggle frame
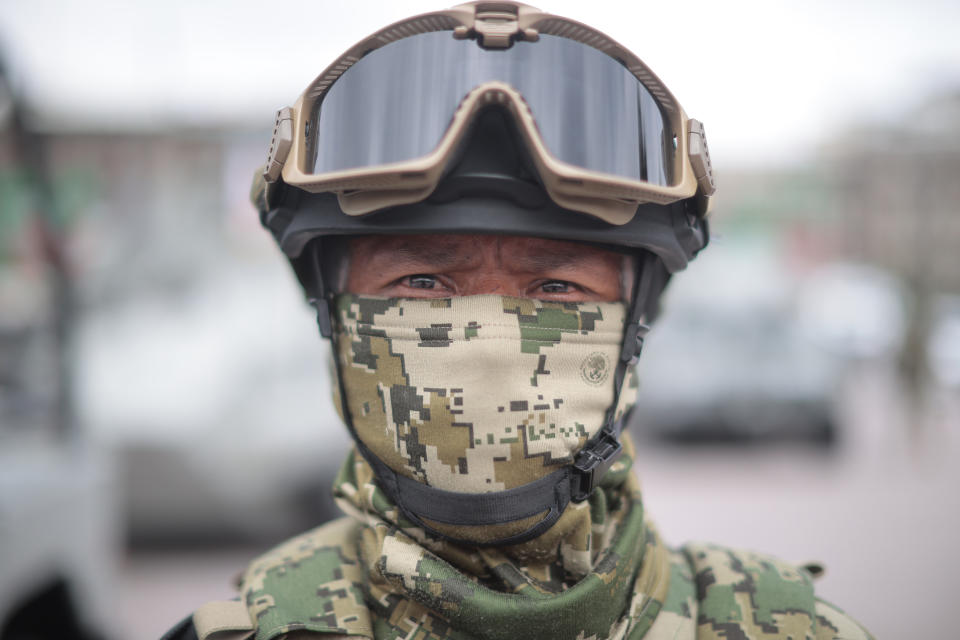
column 611, row 198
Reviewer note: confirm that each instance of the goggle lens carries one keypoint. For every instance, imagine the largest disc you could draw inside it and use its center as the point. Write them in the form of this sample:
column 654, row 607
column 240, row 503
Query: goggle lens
column 396, row 103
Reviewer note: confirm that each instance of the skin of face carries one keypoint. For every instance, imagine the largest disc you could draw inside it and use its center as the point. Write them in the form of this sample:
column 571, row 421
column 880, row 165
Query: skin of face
column 443, row 266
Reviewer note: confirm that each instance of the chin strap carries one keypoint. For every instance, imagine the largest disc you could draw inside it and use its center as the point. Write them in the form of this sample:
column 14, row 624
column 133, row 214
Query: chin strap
column 548, row 496
column 603, row 449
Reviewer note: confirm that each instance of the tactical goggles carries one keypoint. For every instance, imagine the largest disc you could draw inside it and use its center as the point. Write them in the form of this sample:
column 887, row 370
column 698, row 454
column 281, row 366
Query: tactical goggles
column 380, row 126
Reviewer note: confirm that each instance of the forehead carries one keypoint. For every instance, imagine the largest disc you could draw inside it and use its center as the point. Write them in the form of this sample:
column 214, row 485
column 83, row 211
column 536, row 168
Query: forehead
column 456, row 248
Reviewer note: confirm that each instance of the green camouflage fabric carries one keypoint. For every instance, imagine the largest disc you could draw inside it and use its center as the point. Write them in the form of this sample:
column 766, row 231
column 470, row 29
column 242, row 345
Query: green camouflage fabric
column 477, row 393
column 416, row 585
column 373, row 575
column 747, row 595
column 487, row 393
column 553, row 562
column 724, row 594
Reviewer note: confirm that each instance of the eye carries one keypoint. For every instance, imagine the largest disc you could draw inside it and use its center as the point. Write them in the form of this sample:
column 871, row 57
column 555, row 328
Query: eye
column 421, row 281
column 555, row 286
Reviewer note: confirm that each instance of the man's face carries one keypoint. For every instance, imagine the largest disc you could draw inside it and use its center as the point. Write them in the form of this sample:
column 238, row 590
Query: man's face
column 442, row 266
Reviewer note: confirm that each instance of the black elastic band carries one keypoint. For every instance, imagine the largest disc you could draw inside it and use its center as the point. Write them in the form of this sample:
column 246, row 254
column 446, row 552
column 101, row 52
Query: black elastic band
column 498, row 507
column 419, row 502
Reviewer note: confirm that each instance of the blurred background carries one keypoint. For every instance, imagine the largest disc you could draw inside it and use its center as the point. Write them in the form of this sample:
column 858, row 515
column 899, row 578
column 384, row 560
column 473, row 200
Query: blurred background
column 164, row 410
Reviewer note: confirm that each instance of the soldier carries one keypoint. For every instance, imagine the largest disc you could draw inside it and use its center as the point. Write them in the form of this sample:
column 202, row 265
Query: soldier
column 484, row 205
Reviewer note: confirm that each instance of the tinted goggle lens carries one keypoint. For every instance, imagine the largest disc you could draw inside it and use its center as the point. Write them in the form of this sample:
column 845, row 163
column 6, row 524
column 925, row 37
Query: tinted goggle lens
column 396, row 103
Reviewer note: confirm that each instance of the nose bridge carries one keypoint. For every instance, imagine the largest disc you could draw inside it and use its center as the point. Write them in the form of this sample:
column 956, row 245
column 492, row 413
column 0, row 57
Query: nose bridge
column 491, row 284
column 493, row 279
column 490, row 271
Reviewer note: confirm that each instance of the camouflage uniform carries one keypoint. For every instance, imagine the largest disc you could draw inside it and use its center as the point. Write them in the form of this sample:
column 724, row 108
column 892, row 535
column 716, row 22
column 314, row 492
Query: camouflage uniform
column 601, row 571
column 374, row 575
column 477, row 502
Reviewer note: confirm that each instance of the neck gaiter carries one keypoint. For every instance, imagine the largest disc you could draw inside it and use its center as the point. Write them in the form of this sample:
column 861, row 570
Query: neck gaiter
column 479, row 393
column 606, row 577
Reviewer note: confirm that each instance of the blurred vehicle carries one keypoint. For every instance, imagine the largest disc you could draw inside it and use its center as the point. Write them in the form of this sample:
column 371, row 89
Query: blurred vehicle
column 729, row 361
column 221, row 434
column 58, row 526
column 855, row 311
column 57, row 516
column 943, row 349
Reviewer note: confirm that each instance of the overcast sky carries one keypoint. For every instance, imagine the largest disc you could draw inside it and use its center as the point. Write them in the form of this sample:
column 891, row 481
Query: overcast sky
column 770, row 80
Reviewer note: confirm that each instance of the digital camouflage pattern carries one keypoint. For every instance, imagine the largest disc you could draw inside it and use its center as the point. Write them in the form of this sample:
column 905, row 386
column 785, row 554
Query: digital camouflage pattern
column 478, row 393
column 373, row 575
column 742, row 594
column 419, row 586
column 487, row 393
column 554, row 561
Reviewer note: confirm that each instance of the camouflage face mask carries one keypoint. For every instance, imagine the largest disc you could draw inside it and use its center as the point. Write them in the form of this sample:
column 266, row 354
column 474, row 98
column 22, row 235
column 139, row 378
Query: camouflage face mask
column 480, row 393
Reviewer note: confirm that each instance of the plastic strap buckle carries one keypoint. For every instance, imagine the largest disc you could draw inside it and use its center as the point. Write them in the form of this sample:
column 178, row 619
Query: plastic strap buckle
column 592, row 463
column 633, row 337
column 496, row 25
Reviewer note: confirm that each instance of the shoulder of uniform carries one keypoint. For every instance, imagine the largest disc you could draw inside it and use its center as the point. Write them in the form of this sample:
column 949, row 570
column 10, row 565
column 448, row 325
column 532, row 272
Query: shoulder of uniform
column 323, row 551
column 717, row 568
column 183, row 630
column 310, row 583
column 733, row 585
column 322, row 561
column 834, row 624
column 336, row 533
column 229, row 620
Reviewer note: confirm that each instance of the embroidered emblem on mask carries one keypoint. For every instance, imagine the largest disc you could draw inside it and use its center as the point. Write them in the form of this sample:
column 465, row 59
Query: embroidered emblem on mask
column 595, row 368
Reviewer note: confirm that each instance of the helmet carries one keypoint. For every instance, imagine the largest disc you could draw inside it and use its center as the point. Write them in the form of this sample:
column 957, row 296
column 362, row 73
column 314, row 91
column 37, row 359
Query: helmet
column 491, row 117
